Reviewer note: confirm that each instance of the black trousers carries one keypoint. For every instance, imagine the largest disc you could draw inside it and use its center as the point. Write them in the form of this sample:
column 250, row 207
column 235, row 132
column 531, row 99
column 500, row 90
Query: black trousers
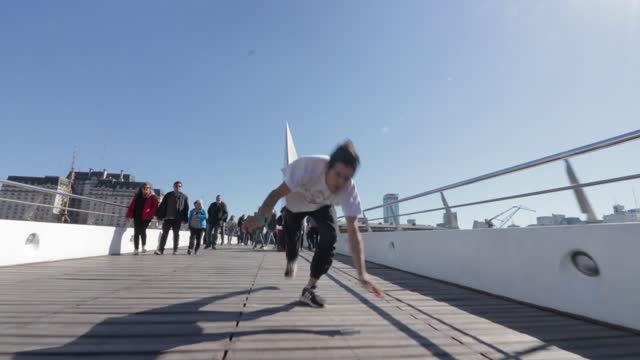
column 196, row 235
column 140, row 232
column 327, row 225
column 170, row 224
column 217, row 228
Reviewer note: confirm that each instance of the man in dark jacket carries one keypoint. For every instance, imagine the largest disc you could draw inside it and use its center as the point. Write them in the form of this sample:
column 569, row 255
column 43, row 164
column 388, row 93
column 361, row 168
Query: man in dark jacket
column 217, row 217
column 174, row 210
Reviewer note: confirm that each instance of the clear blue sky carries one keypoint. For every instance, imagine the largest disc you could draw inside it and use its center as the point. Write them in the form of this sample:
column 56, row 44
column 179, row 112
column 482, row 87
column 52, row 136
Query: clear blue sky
column 431, row 92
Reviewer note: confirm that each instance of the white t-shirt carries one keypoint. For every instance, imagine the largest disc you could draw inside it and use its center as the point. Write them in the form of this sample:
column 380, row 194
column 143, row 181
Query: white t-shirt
column 309, row 192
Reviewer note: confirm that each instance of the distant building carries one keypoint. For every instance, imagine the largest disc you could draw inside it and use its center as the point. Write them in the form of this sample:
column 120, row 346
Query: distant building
column 25, row 208
column 620, row 215
column 449, row 220
column 411, row 222
column 480, row 225
column 574, row 221
column 554, row 219
column 544, row 221
column 114, row 188
column 557, row 219
column 392, row 211
column 83, row 183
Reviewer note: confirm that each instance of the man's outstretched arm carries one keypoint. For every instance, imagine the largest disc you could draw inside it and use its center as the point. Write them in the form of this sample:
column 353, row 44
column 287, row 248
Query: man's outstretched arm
column 254, row 222
column 357, row 252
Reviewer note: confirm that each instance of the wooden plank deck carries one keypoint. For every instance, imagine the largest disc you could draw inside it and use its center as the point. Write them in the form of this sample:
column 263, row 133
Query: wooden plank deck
column 233, row 303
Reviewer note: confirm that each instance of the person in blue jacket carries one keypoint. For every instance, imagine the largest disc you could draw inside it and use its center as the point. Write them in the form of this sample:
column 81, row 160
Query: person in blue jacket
column 197, row 225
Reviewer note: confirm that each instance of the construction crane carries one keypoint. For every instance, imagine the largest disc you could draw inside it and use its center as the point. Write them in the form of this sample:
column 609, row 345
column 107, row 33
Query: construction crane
column 511, row 212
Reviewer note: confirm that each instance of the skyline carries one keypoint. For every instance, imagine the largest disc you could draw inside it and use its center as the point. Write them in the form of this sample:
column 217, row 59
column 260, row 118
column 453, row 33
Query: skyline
column 395, row 195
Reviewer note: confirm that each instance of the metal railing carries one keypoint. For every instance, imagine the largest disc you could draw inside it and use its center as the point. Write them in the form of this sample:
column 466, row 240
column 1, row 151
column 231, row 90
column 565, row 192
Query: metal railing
column 610, row 142
column 523, row 195
column 60, row 193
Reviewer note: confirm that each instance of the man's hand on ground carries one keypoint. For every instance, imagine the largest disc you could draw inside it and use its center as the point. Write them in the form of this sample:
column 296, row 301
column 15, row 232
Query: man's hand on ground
column 371, row 286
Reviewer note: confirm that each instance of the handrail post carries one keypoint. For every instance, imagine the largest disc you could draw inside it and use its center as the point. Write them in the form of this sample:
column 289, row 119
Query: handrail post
column 581, row 196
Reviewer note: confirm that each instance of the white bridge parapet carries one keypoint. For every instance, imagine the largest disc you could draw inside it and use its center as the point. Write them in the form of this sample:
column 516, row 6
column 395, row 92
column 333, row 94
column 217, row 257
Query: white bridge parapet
column 25, row 242
column 532, row 265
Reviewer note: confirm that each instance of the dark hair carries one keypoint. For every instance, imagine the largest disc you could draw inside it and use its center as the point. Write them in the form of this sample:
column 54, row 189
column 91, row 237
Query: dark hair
column 346, row 154
column 177, row 182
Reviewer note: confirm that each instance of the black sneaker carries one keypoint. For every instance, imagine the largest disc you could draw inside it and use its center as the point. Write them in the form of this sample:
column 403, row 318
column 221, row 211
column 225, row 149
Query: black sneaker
column 290, row 271
column 189, row 252
column 310, row 297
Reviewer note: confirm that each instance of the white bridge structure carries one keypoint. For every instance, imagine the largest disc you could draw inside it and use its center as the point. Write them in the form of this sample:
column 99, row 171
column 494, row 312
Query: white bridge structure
column 553, row 292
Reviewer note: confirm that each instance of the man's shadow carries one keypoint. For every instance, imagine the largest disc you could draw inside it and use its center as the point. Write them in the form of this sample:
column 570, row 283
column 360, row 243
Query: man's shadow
column 148, row 334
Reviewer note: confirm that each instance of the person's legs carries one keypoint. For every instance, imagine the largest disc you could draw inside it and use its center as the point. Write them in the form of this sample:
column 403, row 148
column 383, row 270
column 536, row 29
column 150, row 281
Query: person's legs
column 143, row 234
column 269, row 237
column 300, row 243
column 207, row 235
column 192, row 239
column 327, row 226
column 309, row 237
column 256, row 237
column 166, row 226
column 214, row 238
column 280, row 239
column 292, row 225
column 136, row 235
column 199, row 233
column 314, row 237
column 176, row 234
